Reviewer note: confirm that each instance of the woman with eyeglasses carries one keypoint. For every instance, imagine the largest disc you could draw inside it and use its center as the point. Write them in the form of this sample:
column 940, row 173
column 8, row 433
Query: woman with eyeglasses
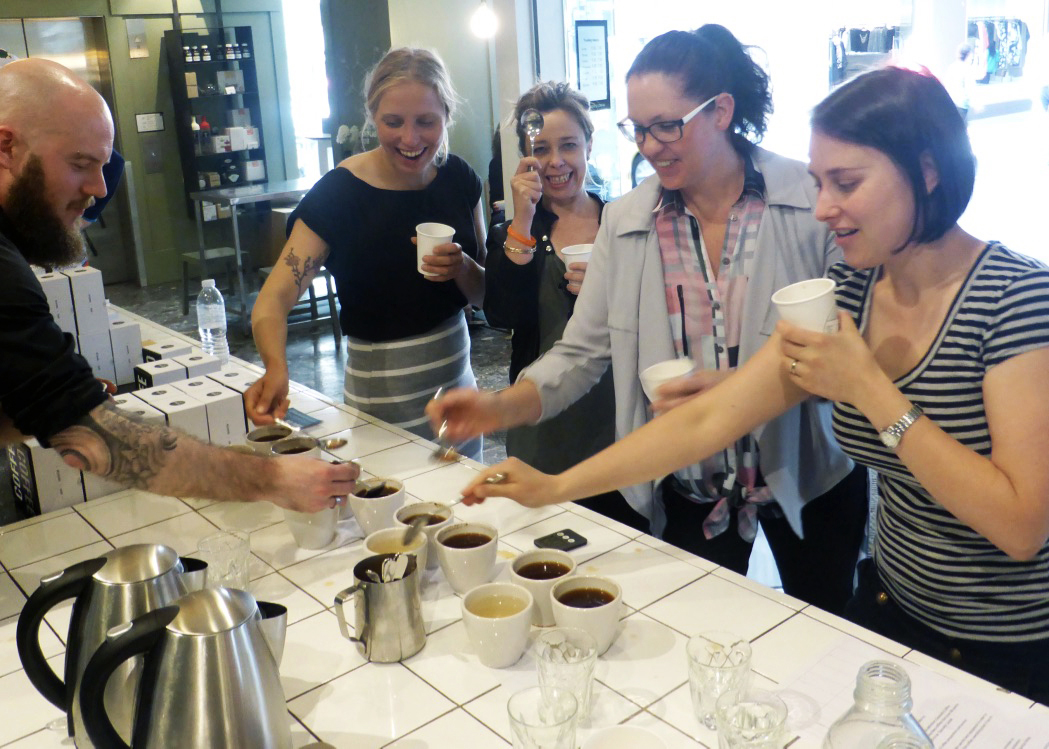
column 685, row 265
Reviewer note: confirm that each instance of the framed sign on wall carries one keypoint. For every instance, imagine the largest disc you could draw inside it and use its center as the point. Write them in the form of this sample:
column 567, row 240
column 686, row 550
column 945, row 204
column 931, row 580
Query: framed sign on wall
column 591, row 43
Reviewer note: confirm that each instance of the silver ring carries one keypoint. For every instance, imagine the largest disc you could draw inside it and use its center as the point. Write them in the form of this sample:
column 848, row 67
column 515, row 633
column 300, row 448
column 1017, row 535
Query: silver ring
column 793, row 368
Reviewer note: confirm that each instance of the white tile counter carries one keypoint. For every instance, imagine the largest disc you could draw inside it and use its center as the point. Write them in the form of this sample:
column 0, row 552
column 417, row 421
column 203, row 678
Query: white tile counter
column 443, row 697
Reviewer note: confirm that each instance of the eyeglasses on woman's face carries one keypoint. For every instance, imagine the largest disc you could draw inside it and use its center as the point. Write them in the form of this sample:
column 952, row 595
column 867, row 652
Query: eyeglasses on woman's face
column 667, row 131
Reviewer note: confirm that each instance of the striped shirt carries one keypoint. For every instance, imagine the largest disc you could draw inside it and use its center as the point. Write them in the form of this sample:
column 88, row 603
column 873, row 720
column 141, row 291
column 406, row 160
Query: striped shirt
column 937, row 568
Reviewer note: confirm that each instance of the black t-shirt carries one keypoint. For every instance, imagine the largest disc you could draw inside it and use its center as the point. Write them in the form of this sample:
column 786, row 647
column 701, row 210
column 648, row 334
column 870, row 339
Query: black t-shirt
column 45, row 386
column 369, row 231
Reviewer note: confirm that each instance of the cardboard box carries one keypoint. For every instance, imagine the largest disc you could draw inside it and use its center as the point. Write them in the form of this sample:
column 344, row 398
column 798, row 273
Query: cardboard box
column 191, row 79
column 126, row 340
column 192, row 92
column 223, row 211
column 41, row 480
column 154, row 373
column 238, row 139
column 140, row 409
column 254, row 170
column 182, row 411
column 98, row 350
column 226, row 78
column 89, row 300
column 235, row 378
column 227, row 423
column 238, row 117
column 164, row 348
column 60, row 300
column 220, row 143
column 253, row 139
column 198, row 364
column 96, row 486
column 208, row 211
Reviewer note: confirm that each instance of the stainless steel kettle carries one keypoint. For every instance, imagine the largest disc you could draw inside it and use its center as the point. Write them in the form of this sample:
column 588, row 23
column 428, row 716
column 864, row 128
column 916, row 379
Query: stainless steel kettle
column 107, row 591
column 210, row 677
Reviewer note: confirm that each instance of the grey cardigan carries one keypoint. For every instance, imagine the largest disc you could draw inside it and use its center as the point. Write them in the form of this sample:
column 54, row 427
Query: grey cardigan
column 621, row 319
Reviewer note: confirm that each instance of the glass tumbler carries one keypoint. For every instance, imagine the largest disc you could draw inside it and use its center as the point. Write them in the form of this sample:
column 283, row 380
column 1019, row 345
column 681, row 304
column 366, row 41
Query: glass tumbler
column 750, row 719
column 227, row 554
column 718, row 662
column 542, row 718
column 566, row 658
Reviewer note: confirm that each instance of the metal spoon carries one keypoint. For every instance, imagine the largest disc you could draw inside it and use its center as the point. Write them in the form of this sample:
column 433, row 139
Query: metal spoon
column 532, row 122
column 326, row 445
column 419, row 521
column 445, row 452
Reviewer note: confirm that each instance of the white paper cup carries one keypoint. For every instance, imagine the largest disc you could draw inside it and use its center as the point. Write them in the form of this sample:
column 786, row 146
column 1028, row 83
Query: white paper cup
column 391, row 541
column 312, row 530
column 428, row 236
column 466, row 568
column 665, row 371
column 577, row 253
column 624, row 737
column 498, row 617
column 403, row 518
column 809, row 304
column 540, row 587
column 375, row 513
column 602, row 622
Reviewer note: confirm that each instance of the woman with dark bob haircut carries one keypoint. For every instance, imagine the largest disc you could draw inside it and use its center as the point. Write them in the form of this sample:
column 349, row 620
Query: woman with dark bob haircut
column 938, row 376
column 684, row 265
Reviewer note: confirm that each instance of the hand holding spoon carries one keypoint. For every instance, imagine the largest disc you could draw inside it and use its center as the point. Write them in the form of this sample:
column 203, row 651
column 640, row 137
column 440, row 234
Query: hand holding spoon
column 416, row 526
column 532, row 122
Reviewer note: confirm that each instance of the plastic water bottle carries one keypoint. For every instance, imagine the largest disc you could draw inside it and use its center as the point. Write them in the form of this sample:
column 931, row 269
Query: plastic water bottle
column 882, row 709
column 211, row 321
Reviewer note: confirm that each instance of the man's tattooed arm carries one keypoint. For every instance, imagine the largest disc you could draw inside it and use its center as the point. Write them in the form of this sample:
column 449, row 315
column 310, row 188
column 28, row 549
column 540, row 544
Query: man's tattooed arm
column 304, row 275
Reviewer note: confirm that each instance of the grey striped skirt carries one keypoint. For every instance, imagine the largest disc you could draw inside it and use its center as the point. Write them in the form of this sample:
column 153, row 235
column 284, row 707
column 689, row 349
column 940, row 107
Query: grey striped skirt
column 394, row 380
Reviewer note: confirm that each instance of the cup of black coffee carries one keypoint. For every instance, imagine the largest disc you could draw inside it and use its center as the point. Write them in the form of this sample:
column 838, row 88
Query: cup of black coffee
column 537, row 571
column 375, row 503
column 438, row 515
column 591, row 603
column 466, row 553
column 297, row 446
column 261, row 440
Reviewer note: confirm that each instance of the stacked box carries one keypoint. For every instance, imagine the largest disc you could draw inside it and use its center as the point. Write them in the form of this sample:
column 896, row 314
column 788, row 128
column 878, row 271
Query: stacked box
column 126, row 340
column 164, row 348
column 59, row 300
column 235, row 378
column 198, row 364
column 153, row 373
column 89, row 300
column 182, row 410
column 225, row 409
column 41, row 480
column 98, row 350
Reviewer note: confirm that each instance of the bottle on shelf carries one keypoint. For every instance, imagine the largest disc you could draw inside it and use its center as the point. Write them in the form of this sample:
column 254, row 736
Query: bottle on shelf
column 236, row 52
column 205, row 135
column 882, row 709
column 205, row 54
column 229, row 51
column 211, row 321
column 194, row 52
column 195, row 127
column 245, row 51
column 187, row 56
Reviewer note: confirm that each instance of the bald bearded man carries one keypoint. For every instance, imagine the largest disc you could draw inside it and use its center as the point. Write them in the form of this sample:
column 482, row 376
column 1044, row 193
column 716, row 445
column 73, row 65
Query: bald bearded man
column 56, row 133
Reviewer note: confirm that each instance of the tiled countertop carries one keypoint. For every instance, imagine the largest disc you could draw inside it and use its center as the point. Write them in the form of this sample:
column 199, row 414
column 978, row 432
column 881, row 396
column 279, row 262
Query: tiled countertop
column 442, row 696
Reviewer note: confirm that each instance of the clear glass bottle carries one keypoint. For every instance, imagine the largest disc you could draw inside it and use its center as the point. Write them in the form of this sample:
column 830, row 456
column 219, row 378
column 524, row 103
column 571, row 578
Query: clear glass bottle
column 205, row 53
column 903, row 741
column 882, row 709
column 211, row 321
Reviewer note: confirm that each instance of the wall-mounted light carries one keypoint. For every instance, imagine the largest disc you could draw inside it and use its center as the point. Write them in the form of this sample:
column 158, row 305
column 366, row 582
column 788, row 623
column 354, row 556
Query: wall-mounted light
column 483, row 22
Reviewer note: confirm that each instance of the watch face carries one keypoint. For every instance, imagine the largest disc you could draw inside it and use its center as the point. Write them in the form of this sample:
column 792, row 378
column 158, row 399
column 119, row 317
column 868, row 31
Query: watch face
column 889, row 439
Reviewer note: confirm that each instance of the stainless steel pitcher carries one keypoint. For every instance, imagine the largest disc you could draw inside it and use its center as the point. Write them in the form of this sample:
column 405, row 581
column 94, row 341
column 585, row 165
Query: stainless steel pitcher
column 389, row 620
column 107, row 591
column 210, row 677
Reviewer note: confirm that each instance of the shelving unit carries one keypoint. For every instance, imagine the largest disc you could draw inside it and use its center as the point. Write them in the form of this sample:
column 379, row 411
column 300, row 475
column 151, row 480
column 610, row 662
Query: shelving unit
column 223, row 90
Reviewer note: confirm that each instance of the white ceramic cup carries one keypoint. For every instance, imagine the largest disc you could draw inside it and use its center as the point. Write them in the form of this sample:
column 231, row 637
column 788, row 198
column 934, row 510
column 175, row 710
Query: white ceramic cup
column 391, row 541
column 602, row 622
column 375, row 513
column 312, row 530
column 261, row 440
column 466, row 568
column 577, row 253
column 665, row 371
column 498, row 617
column 543, row 615
column 624, row 737
column 809, row 304
column 428, row 236
column 404, row 515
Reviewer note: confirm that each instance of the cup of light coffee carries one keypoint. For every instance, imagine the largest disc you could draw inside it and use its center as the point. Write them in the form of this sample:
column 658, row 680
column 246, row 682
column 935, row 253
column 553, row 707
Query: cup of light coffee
column 428, row 236
column 537, row 572
column 391, row 541
column 440, row 516
column 809, row 304
column 375, row 503
column 498, row 617
column 261, row 440
column 590, row 603
column 665, row 371
column 577, row 253
column 466, row 553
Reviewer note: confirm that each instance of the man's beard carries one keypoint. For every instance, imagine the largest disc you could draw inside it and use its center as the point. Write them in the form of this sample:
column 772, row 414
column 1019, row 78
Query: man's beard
column 43, row 239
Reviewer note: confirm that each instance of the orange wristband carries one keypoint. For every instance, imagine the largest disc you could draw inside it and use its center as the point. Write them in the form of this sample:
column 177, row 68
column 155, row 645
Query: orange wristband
column 526, row 241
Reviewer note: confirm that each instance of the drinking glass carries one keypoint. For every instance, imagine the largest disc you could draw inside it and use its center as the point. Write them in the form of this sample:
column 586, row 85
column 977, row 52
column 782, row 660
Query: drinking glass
column 227, row 554
column 718, row 662
column 750, row 719
column 542, row 718
column 566, row 659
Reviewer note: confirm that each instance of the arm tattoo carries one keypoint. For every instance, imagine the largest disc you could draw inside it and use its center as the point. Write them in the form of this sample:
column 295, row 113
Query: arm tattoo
column 115, row 445
column 309, row 267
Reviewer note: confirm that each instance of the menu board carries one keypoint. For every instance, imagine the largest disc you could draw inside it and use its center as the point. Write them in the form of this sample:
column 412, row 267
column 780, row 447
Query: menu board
column 591, row 43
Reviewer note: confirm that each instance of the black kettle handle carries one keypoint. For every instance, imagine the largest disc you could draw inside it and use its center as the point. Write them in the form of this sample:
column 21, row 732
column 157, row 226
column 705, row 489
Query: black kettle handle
column 122, row 643
column 52, row 591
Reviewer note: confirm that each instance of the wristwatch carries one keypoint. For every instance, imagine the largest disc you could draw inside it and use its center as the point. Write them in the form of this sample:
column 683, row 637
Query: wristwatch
column 892, row 434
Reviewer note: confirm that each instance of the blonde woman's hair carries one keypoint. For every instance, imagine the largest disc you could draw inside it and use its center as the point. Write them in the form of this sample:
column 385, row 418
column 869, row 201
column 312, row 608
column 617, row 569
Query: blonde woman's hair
column 411, row 64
